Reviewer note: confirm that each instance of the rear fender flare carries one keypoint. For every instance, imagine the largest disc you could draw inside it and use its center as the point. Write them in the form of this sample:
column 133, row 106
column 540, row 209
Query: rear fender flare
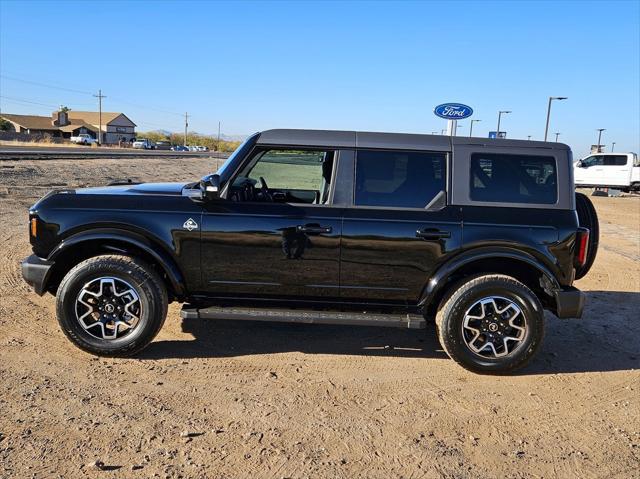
column 438, row 280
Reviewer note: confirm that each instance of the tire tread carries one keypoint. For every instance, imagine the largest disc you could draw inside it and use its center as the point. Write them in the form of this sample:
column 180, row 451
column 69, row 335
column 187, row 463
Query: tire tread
column 125, row 264
column 457, row 293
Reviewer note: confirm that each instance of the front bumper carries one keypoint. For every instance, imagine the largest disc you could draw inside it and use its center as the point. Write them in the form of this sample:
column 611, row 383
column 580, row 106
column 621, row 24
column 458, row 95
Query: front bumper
column 569, row 302
column 35, row 272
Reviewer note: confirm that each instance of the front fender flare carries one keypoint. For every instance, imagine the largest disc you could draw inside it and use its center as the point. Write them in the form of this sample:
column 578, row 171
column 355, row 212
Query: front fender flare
column 438, row 280
column 162, row 257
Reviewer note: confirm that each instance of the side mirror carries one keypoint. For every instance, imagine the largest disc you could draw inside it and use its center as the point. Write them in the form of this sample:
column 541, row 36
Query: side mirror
column 581, row 164
column 210, row 186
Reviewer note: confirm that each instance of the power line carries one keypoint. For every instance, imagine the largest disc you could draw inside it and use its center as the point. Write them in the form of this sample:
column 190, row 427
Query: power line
column 44, row 85
column 137, row 105
column 22, row 100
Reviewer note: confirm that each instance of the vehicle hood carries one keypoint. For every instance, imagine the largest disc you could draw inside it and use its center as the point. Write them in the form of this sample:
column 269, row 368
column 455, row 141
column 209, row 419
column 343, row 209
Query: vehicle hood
column 133, row 189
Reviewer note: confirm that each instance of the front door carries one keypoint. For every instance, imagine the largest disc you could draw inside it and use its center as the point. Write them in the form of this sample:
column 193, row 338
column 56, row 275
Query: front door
column 399, row 228
column 590, row 171
column 276, row 234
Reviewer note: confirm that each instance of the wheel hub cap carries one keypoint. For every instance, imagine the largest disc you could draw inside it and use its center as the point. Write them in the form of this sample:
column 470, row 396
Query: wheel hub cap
column 494, row 327
column 108, row 308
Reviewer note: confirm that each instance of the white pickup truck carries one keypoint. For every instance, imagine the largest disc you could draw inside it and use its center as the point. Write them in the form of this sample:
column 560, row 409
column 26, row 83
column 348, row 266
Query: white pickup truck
column 83, row 139
column 144, row 144
column 608, row 170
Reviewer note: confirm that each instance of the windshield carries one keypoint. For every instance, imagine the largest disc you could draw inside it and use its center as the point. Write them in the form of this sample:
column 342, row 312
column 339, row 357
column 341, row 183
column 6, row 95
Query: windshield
column 226, row 169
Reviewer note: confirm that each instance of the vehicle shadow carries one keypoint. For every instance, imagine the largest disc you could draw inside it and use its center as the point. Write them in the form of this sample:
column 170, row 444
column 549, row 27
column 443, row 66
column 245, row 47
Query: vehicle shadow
column 605, row 339
column 227, row 338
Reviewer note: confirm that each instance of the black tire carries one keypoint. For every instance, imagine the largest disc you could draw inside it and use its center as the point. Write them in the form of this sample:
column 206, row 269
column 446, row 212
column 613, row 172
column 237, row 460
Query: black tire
column 466, row 294
column 588, row 218
column 146, row 283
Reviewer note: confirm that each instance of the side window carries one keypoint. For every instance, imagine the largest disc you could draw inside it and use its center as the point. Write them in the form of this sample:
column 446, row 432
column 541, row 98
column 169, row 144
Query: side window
column 615, row 160
column 595, row 160
column 513, row 178
column 398, row 178
column 292, row 176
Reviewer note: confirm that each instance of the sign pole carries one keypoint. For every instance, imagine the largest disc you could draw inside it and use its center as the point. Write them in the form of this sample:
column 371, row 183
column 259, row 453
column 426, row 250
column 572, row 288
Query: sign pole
column 452, row 126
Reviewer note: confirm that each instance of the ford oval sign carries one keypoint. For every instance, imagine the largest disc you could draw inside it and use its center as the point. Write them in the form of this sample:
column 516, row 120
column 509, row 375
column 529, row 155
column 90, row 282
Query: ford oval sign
column 453, row 111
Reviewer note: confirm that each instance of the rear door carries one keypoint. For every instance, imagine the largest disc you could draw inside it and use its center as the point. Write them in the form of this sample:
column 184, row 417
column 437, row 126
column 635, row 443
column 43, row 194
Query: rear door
column 616, row 171
column 399, row 227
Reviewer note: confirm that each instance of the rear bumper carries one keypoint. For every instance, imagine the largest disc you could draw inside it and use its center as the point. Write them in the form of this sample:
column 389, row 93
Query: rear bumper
column 569, row 302
column 35, row 272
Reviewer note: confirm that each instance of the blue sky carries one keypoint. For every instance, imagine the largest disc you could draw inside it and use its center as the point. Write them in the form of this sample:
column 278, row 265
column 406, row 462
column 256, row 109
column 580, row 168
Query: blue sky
column 343, row 65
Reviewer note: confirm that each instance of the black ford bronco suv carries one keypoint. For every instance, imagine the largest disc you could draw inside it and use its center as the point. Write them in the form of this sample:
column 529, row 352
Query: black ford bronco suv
column 340, row 227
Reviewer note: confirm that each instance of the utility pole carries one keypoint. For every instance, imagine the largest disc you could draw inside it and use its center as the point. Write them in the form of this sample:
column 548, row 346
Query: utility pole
column 218, row 142
column 186, row 125
column 551, row 98
column 557, row 135
column 100, row 96
column 600, row 130
column 613, row 146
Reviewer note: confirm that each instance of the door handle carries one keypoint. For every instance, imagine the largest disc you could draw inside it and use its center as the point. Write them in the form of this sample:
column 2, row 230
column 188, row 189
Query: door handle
column 314, row 229
column 432, row 233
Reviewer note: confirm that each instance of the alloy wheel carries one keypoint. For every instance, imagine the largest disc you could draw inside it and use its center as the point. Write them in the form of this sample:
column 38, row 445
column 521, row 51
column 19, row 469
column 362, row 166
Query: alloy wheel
column 494, row 327
column 108, row 308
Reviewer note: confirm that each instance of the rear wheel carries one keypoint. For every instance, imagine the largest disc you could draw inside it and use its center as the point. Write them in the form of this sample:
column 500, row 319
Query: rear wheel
column 111, row 305
column 491, row 324
column 588, row 218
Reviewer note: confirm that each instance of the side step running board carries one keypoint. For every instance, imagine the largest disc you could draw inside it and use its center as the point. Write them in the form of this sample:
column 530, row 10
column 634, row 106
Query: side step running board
column 412, row 321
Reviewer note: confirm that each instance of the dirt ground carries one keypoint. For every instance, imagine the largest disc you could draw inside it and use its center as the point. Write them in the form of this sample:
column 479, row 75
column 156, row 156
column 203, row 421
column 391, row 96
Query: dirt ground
column 237, row 399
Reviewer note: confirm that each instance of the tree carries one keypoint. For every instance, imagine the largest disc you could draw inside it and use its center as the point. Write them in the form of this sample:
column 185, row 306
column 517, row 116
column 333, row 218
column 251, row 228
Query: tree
column 5, row 125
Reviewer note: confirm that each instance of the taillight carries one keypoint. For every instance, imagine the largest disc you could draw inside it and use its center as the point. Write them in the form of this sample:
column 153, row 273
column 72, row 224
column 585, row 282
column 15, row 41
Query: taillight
column 582, row 243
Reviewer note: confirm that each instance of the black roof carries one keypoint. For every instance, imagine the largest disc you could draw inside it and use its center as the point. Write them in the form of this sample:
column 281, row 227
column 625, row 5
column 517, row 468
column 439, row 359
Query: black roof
column 402, row 141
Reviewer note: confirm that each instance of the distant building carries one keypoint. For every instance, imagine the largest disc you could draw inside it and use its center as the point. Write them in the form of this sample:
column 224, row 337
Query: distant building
column 61, row 124
column 115, row 126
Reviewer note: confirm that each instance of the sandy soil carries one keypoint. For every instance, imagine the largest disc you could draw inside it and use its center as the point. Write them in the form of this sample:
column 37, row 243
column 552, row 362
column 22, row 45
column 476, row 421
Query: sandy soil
column 235, row 400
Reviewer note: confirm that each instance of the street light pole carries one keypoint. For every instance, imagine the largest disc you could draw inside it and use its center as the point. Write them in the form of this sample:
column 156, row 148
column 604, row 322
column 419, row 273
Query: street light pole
column 551, row 98
column 557, row 135
column 600, row 130
column 613, row 146
column 471, row 128
column 529, row 137
column 499, row 117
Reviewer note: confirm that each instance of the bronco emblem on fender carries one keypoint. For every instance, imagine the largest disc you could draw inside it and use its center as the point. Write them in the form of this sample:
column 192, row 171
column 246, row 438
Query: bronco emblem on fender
column 190, row 225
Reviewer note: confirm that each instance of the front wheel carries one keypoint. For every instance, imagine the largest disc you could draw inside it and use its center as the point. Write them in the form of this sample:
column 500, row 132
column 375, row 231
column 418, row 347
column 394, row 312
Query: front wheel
column 111, row 305
column 491, row 324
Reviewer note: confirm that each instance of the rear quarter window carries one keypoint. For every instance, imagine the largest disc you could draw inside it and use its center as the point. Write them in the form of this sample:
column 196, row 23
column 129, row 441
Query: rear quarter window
column 615, row 160
column 502, row 178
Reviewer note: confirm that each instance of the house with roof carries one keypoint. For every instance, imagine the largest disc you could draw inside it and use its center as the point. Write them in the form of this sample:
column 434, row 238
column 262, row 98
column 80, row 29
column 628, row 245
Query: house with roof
column 65, row 124
column 115, row 126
